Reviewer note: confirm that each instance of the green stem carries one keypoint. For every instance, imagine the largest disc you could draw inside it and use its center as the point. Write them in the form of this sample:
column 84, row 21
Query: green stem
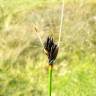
column 50, row 79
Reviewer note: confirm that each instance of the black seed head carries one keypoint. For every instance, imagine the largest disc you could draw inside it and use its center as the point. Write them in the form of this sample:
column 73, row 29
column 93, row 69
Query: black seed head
column 51, row 49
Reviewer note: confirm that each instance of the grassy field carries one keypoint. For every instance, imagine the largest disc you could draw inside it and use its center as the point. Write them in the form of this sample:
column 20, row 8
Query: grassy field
column 23, row 64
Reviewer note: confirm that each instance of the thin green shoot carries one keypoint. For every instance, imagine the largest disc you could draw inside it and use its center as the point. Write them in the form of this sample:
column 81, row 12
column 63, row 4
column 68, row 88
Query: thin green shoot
column 50, row 79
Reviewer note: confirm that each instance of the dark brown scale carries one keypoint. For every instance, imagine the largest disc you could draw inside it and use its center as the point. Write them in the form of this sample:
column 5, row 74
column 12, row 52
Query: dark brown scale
column 51, row 48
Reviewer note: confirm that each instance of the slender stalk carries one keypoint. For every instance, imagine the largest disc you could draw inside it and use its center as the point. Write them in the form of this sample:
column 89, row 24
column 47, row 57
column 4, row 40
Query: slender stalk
column 61, row 22
column 50, row 79
column 39, row 37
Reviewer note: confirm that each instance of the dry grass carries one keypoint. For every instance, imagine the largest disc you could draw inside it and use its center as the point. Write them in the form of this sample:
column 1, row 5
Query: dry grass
column 23, row 66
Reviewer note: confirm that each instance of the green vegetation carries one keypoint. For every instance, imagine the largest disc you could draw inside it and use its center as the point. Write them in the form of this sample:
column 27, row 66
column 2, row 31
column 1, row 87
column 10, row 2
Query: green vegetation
column 23, row 64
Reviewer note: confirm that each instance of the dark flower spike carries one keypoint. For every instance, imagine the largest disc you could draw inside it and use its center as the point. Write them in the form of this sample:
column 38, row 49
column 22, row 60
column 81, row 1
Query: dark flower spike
column 51, row 49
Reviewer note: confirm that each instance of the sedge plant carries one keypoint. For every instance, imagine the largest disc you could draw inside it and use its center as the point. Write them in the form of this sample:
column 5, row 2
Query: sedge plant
column 51, row 50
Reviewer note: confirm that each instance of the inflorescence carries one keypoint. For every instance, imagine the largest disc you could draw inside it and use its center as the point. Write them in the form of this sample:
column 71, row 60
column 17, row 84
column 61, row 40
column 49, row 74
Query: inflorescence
column 51, row 49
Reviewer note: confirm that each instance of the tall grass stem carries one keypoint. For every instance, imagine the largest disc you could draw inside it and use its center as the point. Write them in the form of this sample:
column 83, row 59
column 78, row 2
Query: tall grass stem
column 61, row 22
column 50, row 79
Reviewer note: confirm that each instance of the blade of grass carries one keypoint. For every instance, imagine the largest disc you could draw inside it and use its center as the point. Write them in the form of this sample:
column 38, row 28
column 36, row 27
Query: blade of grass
column 61, row 22
column 39, row 37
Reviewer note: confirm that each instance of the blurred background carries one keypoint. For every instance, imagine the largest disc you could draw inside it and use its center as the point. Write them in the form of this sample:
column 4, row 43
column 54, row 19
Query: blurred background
column 23, row 63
